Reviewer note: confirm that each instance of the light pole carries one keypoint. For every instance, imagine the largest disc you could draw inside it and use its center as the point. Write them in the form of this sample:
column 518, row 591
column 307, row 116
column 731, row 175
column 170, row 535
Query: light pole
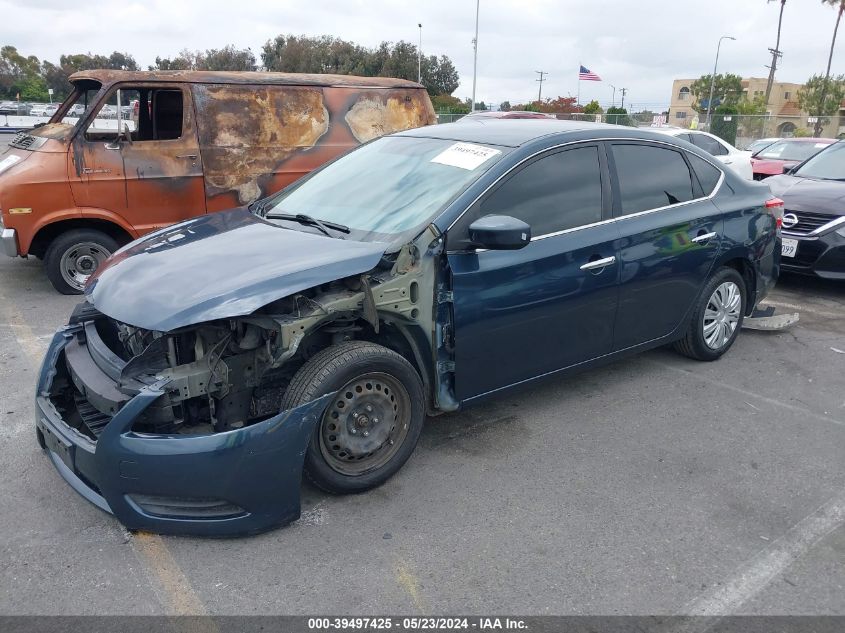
column 713, row 77
column 475, row 55
column 419, row 57
column 614, row 95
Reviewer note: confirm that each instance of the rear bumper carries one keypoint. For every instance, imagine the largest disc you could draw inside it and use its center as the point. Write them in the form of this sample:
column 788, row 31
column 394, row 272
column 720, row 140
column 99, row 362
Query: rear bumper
column 223, row 484
column 9, row 242
column 821, row 255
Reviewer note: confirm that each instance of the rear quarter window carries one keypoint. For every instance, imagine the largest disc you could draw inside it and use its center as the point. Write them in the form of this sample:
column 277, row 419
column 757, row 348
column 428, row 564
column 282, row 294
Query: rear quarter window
column 708, row 175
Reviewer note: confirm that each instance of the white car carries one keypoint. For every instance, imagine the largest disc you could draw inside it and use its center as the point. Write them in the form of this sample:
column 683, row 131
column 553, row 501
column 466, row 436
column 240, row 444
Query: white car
column 720, row 149
column 43, row 110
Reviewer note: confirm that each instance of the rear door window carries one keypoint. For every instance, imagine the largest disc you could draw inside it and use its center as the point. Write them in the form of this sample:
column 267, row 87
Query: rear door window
column 709, row 145
column 650, row 177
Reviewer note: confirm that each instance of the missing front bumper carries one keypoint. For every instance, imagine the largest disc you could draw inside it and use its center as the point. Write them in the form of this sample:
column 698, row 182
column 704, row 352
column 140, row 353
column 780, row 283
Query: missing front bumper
column 224, row 484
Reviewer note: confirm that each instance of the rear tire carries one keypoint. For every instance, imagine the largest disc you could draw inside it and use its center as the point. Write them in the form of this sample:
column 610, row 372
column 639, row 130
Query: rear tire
column 716, row 318
column 371, row 427
column 72, row 257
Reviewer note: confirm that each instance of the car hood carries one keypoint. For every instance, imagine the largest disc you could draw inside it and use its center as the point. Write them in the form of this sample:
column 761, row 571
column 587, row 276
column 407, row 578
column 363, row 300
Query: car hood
column 772, row 166
column 807, row 194
column 219, row 266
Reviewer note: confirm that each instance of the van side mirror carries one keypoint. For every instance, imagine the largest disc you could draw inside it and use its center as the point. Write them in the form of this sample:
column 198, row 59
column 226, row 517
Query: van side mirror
column 499, row 232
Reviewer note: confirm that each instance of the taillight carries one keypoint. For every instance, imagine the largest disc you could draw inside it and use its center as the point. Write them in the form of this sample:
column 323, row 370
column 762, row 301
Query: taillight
column 775, row 207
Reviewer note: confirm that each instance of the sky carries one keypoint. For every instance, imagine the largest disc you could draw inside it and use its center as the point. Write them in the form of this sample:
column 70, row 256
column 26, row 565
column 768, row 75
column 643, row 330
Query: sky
column 640, row 45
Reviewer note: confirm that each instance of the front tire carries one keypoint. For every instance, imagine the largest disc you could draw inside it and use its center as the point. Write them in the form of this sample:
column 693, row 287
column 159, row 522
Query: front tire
column 717, row 317
column 371, row 427
column 73, row 257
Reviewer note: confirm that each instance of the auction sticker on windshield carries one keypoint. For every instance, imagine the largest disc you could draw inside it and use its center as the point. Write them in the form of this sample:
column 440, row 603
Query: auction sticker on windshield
column 465, row 155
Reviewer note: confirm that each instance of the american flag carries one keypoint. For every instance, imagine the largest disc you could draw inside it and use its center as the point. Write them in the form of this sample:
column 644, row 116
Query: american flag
column 585, row 74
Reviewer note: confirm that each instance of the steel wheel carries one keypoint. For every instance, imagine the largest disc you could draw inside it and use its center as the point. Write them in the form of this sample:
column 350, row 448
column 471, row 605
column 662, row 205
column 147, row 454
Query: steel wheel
column 366, row 424
column 80, row 261
column 721, row 315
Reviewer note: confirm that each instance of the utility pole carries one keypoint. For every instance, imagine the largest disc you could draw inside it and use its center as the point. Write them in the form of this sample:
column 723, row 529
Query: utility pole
column 713, row 78
column 613, row 104
column 624, row 91
column 776, row 54
column 542, row 78
column 475, row 55
column 419, row 56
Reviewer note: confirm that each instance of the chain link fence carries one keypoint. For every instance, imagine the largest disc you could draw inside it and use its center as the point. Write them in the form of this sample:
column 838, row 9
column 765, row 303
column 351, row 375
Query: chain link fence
column 738, row 129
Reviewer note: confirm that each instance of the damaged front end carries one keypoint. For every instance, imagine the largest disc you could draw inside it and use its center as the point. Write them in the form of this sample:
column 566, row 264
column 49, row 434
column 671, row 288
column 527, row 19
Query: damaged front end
column 183, row 431
column 166, row 445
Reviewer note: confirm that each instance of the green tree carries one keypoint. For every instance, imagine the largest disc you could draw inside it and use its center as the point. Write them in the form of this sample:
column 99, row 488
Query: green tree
column 16, row 70
column 724, row 124
column 593, row 108
column 820, row 97
column 447, row 104
column 326, row 54
column 840, row 4
column 505, row 106
column 619, row 116
column 727, row 90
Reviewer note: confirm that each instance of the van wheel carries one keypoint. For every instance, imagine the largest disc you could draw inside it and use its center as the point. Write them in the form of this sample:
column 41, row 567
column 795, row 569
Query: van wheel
column 372, row 425
column 717, row 317
column 72, row 258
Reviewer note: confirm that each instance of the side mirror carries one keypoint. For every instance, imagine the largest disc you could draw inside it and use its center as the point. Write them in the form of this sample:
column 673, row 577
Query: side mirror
column 788, row 169
column 499, row 232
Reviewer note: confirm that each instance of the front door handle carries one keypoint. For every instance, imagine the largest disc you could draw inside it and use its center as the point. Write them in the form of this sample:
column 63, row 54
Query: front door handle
column 191, row 156
column 599, row 263
column 704, row 238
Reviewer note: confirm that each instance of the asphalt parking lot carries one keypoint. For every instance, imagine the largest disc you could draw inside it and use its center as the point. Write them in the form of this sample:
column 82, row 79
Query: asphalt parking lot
column 657, row 485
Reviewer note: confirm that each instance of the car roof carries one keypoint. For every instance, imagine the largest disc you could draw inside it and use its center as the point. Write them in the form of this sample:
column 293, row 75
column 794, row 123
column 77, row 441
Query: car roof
column 517, row 132
column 246, row 77
column 805, row 139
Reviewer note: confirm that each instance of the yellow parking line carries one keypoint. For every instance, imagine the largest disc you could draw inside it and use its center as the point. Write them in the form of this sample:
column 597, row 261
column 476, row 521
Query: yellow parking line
column 176, row 595
column 410, row 584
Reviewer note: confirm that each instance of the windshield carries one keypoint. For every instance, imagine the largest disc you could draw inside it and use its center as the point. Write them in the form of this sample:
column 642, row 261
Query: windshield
column 786, row 150
column 828, row 164
column 756, row 146
column 387, row 187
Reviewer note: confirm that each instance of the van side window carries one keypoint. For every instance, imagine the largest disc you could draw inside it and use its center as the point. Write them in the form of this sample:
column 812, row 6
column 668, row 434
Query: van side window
column 151, row 114
column 558, row 192
column 650, row 177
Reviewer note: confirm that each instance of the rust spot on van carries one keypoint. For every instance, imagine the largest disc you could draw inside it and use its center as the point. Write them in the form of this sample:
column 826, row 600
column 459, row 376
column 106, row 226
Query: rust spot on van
column 246, row 134
column 375, row 114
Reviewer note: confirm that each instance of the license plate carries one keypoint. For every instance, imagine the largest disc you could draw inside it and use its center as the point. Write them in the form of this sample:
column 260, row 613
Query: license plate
column 58, row 446
column 788, row 247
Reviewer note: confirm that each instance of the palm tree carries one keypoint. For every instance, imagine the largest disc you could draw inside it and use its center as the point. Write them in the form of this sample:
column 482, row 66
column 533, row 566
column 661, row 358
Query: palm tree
column 817, row 130
column 775, row 54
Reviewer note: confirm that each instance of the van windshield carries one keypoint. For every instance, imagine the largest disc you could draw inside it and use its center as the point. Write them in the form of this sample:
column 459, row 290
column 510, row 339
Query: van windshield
column 387, row 187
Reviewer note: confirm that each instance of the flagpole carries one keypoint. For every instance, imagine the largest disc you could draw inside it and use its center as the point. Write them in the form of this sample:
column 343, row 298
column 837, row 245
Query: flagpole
column 578, row 99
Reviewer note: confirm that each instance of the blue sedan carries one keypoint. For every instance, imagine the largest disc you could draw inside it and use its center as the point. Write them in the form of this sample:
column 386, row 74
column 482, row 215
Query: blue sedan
column 216, row 361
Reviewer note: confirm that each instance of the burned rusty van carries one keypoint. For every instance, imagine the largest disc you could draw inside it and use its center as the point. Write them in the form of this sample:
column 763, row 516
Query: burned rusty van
column 131, row 152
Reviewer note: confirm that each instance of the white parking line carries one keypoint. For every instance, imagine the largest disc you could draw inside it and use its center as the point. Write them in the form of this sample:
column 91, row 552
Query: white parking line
column 750, row 394
column 754, row 575
column 802, row 308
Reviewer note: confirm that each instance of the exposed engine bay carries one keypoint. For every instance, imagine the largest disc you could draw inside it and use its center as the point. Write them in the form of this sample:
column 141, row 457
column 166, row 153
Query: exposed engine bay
column 230, row 373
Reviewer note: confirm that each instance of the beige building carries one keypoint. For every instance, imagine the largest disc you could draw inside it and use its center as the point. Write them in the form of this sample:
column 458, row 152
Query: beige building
column 785, row 115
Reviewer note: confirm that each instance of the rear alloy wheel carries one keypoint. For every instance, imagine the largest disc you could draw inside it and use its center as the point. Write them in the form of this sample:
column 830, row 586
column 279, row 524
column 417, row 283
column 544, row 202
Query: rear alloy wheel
column 717, row 317
column 73, row 257
column 371, row 426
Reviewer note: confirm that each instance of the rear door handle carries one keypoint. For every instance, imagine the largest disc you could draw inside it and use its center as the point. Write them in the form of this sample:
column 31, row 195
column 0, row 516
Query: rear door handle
column 701, row 239
column 599, row 263
column 191, row 156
